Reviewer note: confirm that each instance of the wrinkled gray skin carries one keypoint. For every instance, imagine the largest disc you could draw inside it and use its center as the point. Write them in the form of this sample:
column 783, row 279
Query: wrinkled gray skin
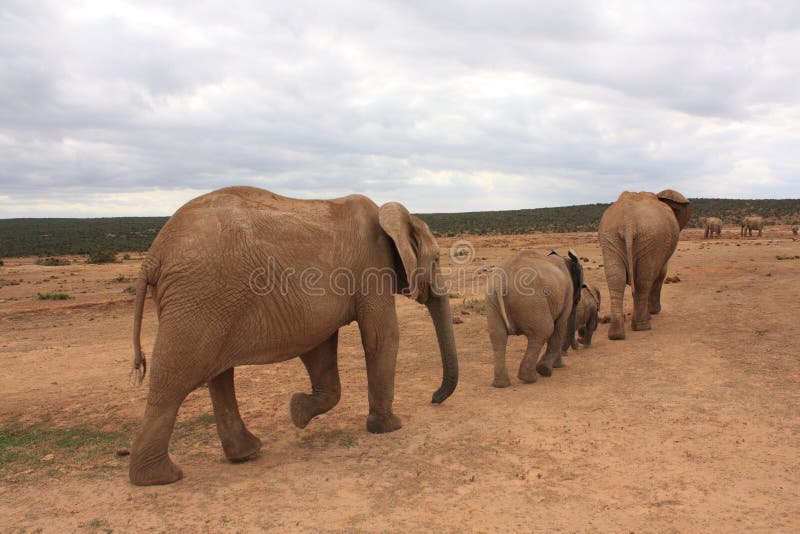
column 534, row 295
column 638, row 234
column 756, row 222
column 712, row 225
column 227, row 273
column 794, row 229
column 587, row 317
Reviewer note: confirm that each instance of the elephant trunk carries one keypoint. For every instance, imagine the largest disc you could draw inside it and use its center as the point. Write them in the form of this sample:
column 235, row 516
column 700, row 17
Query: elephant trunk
column 439, row 308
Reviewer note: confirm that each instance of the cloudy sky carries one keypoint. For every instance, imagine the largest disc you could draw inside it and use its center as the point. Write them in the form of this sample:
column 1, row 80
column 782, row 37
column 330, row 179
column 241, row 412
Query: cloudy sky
column 132, row 108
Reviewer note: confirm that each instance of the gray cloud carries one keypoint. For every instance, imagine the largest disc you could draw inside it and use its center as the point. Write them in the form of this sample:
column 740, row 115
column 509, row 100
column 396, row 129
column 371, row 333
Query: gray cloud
column 132, row 108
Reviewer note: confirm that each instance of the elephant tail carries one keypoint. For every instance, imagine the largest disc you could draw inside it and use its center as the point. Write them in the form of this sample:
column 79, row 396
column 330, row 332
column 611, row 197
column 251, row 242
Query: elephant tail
column 498, row 290
column 139, row 362
column 629, row 256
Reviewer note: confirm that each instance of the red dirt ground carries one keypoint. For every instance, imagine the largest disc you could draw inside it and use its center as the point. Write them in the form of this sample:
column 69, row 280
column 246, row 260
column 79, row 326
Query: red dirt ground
column 692, row 426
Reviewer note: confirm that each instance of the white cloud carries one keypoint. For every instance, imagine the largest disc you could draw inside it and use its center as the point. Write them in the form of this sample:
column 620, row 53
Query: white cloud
column 444, row 106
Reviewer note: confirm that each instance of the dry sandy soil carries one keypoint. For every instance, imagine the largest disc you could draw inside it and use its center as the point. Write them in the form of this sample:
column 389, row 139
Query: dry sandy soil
column 692, row 426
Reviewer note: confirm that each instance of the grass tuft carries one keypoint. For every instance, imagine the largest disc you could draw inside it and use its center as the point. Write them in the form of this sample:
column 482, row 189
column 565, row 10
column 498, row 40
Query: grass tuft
column 53, row 296
column 52, row 262
column 36, row 449
column 102, row 256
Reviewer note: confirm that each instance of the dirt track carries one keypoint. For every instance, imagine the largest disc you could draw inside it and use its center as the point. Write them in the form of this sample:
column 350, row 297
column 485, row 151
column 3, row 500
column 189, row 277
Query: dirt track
column 692, row 426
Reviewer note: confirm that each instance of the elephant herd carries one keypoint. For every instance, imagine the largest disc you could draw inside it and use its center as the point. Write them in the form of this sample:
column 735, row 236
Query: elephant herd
column 713, row 226
column 243, row 276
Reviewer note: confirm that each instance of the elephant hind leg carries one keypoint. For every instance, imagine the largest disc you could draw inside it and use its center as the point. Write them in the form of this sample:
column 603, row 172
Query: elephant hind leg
column 655, row 293
column 150, row 462
column 323, row 370
column 237, row 442
column 527, row 367
column 641, row 306
column 498, row 336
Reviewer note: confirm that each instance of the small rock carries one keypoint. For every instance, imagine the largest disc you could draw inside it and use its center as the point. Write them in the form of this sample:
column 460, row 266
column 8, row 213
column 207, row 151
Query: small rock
column 47, row 458
column 123, row 452
column 464, row 312
column 457, row 320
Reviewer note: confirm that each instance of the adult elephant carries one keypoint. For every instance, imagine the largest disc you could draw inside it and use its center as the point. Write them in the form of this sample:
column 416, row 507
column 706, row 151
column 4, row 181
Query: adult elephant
column 751, row 223
column 243, row 276
column 638, row 234
column 712, row 225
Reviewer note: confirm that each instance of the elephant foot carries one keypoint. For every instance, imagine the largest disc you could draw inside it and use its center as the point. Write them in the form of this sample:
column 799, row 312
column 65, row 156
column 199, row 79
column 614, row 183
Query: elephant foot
column 163, row 471
column 559, row 363
column 242, row 448
column 304, row 408
column 528, row 376
column 502, row 382
column 655, row 309
column 574, row 344
column 381, row 424
column 641, row 325
column 617, row 330
column 544, row 369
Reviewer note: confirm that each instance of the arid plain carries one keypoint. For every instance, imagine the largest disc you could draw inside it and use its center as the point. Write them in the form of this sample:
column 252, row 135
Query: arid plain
column 692, row 426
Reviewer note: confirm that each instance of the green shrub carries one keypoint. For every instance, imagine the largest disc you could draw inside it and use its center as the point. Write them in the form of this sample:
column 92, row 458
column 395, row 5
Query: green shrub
column 52, row 262
column 120, row 278
column 52, row 296
column 102, row 256
column 126, row 257
column 130, row 290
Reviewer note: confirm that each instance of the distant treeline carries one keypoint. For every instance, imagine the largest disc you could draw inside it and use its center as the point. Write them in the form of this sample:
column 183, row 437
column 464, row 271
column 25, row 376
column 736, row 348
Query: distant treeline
column 52, row 237
column 585, row 218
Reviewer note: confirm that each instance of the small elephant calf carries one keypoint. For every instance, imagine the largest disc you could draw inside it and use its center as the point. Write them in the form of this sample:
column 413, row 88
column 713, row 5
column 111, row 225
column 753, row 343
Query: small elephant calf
column 534, row 295
column 587, row 315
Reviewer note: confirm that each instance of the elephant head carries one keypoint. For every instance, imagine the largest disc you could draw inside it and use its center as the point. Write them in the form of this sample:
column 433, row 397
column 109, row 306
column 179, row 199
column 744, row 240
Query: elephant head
column 419, row 277
column 679, row 204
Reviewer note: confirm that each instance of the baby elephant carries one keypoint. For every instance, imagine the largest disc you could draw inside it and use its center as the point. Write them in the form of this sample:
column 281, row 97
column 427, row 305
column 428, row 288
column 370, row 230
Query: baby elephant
column 587, row 316
column 534, row 295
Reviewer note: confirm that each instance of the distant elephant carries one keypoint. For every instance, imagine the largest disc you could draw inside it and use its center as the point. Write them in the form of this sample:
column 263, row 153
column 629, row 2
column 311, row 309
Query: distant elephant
column 242, row 276
column 712, row 225
column 638, row 234
column 534, row 295
column 749, row 224
column 794, row 229
column 587, row 316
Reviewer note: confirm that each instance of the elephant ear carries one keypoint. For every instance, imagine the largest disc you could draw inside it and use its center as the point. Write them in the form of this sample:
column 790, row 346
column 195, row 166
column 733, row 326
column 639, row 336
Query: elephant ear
column 679, row 204
column 576, row 273
column 415, row 245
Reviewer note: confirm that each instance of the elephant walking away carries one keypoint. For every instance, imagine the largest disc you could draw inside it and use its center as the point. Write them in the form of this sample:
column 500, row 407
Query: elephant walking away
column 587, row 317
column 749, row 224
column 712, row 225
column 534, row 295
column 794, row 229
column 243, row 276
column 638, row 234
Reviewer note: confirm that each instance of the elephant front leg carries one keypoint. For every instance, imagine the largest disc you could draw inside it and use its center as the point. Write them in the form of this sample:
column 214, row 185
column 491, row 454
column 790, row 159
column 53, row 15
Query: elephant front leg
column 237, row 442
column 380, row 338
column 323, row 370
